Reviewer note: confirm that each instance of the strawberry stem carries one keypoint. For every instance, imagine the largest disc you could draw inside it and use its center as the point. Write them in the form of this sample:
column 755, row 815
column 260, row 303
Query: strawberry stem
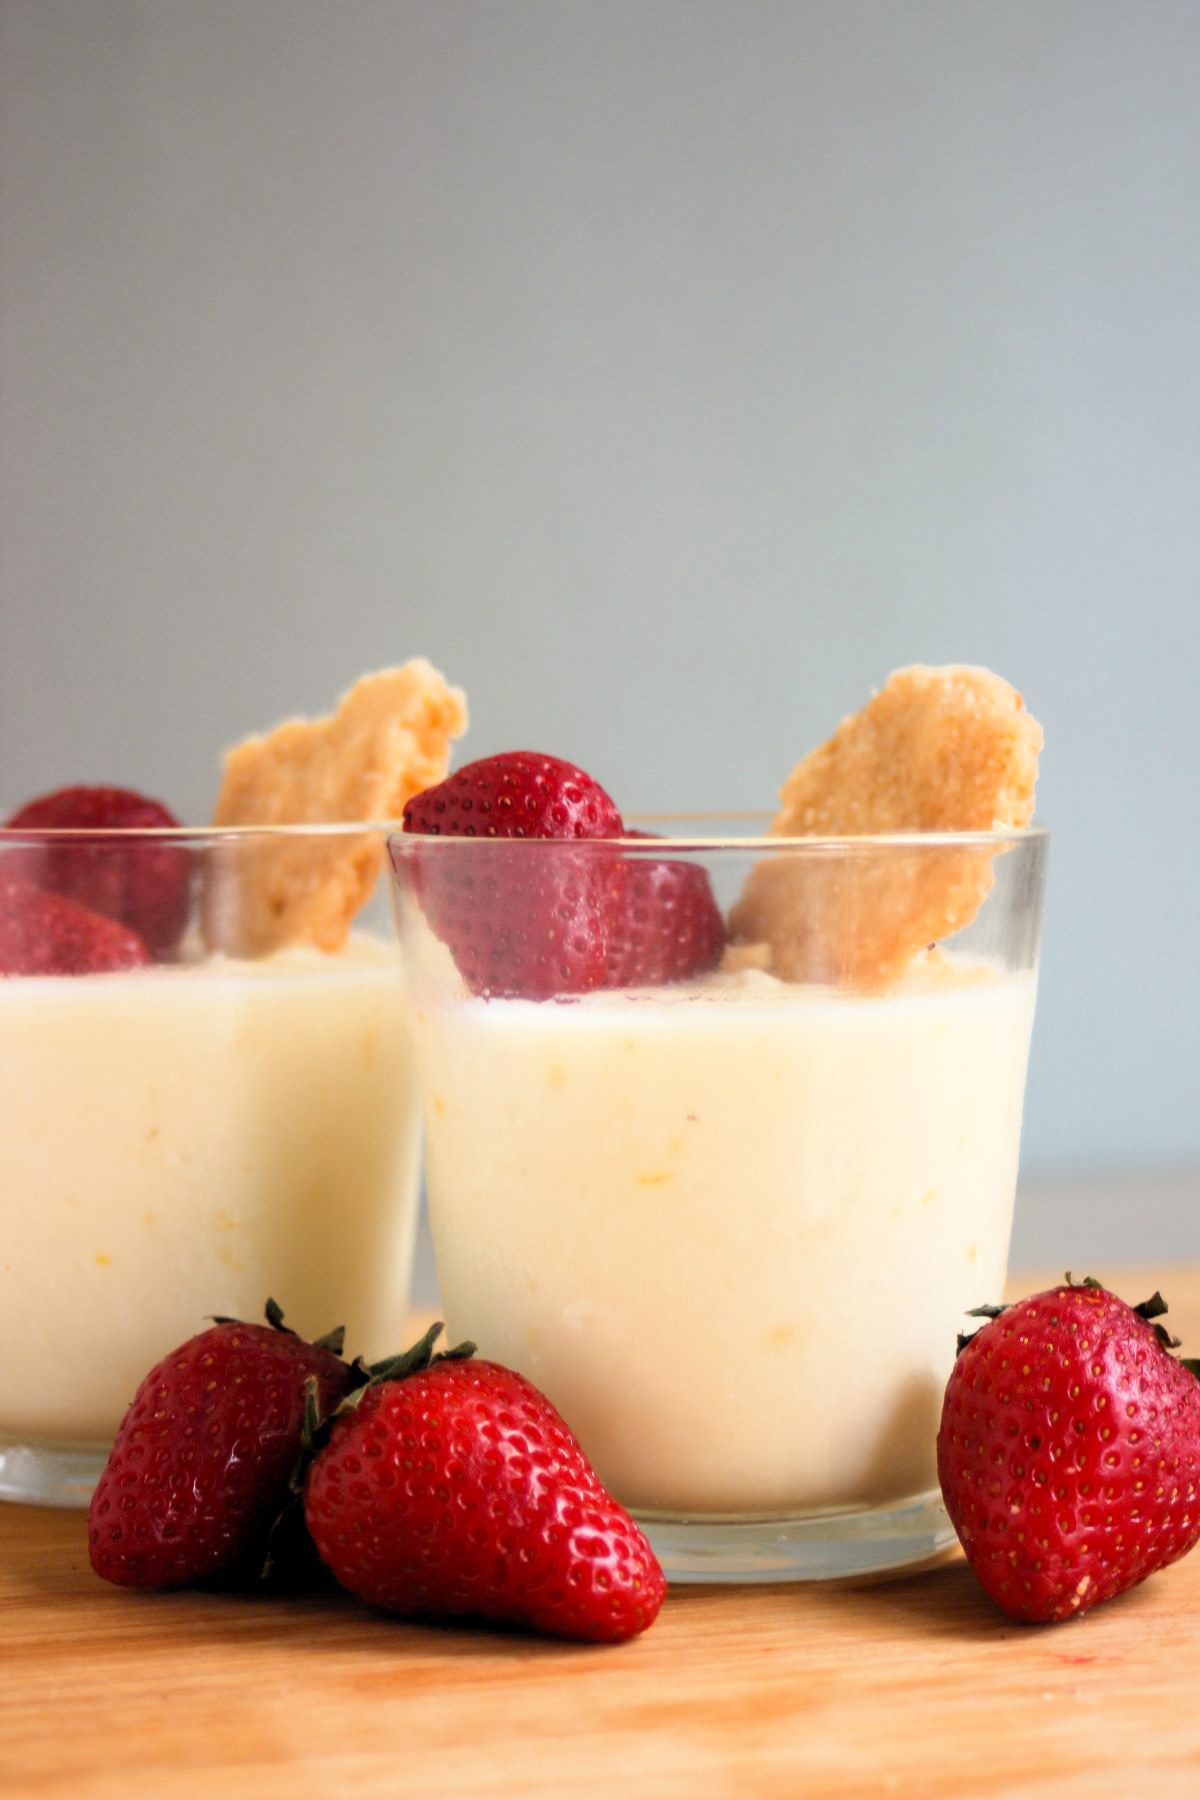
column 316, row 1430
column 419, row 1356
column 332, row 1340
column 312, row 1412
column 1150, row 1310
column 977, row 1312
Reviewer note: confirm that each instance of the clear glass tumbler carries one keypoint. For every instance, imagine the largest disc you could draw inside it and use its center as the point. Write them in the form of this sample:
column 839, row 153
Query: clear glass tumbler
column 730, row 1224
column 228, row 1121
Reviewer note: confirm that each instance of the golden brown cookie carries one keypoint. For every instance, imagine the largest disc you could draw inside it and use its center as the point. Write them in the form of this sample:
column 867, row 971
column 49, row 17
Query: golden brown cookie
column 389, row 738
column 935, row 750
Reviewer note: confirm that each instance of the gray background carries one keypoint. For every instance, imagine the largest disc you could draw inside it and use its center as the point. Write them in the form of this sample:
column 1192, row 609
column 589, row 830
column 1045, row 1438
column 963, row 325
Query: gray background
column 667, row 371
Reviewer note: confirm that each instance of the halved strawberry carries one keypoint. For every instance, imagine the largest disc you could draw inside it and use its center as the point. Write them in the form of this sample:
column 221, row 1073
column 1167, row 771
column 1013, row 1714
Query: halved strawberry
column 143, row 883
column 47, row 934
column 524, row 913
column 669, row 926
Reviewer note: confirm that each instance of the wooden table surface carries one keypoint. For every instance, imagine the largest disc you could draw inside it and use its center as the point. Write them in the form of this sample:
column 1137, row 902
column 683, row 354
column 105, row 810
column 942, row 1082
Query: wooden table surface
column 914, row 1686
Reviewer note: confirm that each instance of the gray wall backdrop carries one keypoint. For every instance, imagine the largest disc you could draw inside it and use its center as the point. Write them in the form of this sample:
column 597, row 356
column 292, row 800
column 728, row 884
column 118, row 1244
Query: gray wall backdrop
column 668, row 371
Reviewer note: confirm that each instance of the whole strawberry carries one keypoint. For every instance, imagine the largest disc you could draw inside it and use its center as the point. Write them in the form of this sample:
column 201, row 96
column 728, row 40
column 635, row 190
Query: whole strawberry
column 45, row 934
column 520, row 920
column 1069, row 1450
column 668, row 926
column 453, row 1488
column 142, row 883
column 201, row 1463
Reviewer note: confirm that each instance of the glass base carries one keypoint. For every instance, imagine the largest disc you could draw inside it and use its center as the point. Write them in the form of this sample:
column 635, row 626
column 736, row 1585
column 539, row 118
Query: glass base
column 41, row 1475
column 841, row 1546
column 826, row 1547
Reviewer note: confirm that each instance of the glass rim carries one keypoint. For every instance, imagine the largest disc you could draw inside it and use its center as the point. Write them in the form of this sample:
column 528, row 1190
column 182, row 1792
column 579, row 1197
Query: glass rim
column 200, row 834
column 701, row 838
column 999, row 838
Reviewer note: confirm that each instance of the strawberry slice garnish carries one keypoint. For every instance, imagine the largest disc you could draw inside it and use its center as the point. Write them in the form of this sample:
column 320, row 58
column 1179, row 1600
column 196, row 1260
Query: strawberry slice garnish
column 668, row 927
column 143, row 884
column 521, row 919
column 47, row 934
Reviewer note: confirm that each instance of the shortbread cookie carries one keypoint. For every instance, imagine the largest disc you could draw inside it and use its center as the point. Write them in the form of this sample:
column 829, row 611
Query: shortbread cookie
column 389, row 738
column 936, row 750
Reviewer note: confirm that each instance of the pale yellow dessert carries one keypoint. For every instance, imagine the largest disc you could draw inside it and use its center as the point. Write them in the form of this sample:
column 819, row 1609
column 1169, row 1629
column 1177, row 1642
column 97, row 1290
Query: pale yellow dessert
column 731, row 1226
column 178, row 1141
column 185, row 1139
column 730, row 1229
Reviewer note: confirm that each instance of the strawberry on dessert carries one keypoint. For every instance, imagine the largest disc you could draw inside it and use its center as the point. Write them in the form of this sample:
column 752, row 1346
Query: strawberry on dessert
column 200, row 1466
column 522, row 923
column 1069, row 1450
column 450, row 1487
column 519, row 793
column 142, row 884
column 668, row 926
column 46, row 934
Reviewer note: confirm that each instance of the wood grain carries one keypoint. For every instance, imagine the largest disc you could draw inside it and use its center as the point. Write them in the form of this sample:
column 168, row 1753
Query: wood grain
column 908, row 1687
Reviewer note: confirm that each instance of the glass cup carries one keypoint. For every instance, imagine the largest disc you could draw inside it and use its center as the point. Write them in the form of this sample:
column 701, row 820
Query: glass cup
column 731, row 1224
column 182, row 1139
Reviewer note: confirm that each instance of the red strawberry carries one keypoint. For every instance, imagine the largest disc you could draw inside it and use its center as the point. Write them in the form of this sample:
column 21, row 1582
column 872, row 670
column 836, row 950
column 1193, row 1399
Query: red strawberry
column 669, row 926
column 144, row 884
column 1069, row 1450
column 519, row 919
column 452, row 1488
column 45, row 934
column 201, row 1463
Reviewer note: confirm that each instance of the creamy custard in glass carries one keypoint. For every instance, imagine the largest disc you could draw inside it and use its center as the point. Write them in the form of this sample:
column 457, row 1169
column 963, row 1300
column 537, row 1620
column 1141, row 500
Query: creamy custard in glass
column 181, row 1140
column 730, row 1228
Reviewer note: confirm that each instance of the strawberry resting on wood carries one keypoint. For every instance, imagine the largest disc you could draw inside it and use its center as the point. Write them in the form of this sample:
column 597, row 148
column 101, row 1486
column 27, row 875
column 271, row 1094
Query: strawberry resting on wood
column 1069, row 1450
column 450, row 1487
